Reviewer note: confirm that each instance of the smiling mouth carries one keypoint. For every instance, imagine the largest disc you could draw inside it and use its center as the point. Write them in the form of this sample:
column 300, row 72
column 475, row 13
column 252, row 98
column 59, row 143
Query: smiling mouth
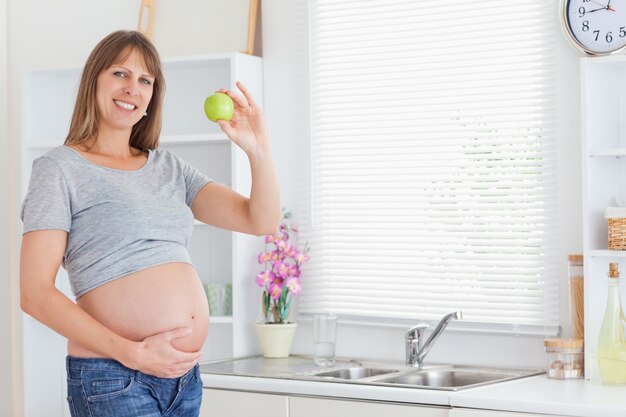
column 123, row 105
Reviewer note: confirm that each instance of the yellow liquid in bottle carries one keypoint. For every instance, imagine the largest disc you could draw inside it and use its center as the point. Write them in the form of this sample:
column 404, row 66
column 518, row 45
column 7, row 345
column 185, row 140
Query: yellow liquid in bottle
column 611, row 344
column 613, row 371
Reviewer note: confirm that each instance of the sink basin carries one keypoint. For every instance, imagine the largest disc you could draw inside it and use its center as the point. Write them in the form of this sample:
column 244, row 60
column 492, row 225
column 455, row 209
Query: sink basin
column 448, row 378
column 439, row 377
column 354, row 373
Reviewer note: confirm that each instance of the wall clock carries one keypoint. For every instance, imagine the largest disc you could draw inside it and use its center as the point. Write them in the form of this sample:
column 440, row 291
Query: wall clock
column 595, row 27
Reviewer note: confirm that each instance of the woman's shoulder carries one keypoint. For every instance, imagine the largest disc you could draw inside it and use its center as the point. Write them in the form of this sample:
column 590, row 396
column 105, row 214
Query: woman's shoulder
column 59, row 154
column 165, row 157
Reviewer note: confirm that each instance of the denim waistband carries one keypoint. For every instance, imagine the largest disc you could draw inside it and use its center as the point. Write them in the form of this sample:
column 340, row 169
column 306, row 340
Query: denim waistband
column 75, row 366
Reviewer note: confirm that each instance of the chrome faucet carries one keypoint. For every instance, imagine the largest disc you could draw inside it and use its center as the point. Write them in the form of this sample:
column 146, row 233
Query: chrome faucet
column 416, row 351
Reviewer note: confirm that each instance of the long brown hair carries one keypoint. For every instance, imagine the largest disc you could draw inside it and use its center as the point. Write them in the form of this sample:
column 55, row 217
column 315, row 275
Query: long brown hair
column 112, row 49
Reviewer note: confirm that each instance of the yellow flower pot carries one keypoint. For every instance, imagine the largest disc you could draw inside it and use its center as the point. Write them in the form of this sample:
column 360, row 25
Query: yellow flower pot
column 275, row 338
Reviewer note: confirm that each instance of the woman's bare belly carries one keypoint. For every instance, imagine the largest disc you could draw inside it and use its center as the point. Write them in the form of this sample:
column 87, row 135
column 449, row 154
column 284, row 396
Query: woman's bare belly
column 148, row 302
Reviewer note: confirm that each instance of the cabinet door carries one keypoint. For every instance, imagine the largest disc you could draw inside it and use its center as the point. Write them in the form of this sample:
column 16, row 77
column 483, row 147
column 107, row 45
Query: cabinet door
column 316, row 407
column 461, row 412
column 224, row 403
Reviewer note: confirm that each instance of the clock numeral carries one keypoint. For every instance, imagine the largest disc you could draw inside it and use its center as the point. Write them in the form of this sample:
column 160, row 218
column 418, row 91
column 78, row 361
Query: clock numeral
column 608, row 37
column 585, row 26
column 622, row 32
column 581, row 11
column 597, row 32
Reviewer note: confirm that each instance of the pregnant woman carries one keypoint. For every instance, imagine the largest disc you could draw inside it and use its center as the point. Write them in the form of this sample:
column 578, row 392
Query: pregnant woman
column 117, row 213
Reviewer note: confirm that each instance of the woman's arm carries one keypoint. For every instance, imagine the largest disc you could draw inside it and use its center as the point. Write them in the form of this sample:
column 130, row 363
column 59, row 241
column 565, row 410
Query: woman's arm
column 219, row 206
column 41, row 255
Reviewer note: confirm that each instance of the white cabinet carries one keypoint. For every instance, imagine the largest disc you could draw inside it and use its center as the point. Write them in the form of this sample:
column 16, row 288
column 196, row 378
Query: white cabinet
column 462, row 412
column 219, row 256
column 225, row 403
column 315, row 407
column 603, row 98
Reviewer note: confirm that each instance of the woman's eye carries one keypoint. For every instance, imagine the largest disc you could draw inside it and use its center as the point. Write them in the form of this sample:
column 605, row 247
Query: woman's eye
column 119, row 74
column 146, row 81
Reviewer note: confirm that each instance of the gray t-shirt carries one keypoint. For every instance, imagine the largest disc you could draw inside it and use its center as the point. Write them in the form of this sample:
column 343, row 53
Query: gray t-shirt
column 118, row 222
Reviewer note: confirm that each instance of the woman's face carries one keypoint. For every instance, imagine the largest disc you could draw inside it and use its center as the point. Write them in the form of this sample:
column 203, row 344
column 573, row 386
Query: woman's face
column 123, row 93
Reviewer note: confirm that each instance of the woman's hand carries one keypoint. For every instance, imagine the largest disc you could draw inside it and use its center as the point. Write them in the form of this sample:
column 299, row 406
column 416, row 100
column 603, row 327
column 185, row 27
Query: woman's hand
column 156, row 355
column 247, row 127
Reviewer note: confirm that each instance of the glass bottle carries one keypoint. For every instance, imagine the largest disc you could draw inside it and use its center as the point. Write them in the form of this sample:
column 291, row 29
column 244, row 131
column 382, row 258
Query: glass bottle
column 611, row 344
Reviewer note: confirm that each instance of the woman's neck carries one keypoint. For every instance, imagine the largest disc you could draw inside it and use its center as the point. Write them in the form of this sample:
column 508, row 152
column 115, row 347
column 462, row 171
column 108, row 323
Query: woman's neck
column 117, row 146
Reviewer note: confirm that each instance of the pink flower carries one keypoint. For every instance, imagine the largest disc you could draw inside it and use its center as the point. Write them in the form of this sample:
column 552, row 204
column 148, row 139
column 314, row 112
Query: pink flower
column 294, row 285
column 276, row 288
column 264, row 257
column 301, row 258
column 292, row 251
column 283, row 246
column 281, row 269
column 293, row 271
column 281, row 280
column 264, row 278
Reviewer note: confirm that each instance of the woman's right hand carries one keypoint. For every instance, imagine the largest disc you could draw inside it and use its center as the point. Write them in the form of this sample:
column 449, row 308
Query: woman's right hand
column 156, row 355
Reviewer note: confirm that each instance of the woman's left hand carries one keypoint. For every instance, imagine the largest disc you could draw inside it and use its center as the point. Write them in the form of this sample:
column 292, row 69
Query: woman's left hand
column 247, row 127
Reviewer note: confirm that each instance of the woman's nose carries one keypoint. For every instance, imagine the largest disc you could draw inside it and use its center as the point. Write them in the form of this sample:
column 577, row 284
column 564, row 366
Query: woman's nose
column 132, row 88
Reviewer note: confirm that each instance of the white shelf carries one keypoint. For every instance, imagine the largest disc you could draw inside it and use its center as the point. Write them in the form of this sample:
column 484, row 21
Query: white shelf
column 605, row 253
column 603, row 128
column 616, row 152
column 221, row 319
column 197, row 139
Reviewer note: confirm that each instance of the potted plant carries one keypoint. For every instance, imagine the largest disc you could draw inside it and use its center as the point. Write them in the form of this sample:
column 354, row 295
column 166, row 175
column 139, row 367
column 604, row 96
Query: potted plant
column 280, row 281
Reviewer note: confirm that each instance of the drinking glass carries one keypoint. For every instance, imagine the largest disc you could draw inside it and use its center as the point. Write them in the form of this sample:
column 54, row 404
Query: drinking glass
column 325, row 331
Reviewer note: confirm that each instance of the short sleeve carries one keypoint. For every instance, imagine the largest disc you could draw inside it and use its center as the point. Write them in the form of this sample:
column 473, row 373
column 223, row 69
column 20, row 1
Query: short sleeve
column 47, row 202
column 194, row 181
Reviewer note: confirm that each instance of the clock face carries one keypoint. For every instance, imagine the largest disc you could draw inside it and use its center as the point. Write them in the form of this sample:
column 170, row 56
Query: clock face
column 596, row 27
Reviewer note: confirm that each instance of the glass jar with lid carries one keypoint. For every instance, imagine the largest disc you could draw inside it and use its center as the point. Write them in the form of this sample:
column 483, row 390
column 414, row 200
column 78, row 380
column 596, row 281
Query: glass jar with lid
column 565, row 358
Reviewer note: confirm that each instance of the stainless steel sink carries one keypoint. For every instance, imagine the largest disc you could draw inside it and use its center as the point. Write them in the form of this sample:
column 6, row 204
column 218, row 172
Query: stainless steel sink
column 355, row 373
column 441, row 377
column 446, row 378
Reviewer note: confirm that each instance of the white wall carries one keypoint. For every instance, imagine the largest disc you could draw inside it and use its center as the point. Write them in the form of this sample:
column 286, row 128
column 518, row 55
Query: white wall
column 10, row 404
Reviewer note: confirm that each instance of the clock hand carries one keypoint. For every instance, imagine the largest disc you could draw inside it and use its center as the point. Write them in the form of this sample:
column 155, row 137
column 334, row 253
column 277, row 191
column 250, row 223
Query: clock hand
column 599, row 4
column 607, row 7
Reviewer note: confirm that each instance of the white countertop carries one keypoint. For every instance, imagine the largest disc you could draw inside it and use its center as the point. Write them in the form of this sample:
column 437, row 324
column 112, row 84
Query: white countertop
column 539, row 394
column 536, row 394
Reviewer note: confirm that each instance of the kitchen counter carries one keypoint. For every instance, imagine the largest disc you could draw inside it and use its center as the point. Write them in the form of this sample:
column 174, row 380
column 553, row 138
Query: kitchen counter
column 535, row 394
column 538, row 394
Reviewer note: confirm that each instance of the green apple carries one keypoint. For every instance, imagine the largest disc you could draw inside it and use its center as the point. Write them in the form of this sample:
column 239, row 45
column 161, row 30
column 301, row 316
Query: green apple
column 219, row 106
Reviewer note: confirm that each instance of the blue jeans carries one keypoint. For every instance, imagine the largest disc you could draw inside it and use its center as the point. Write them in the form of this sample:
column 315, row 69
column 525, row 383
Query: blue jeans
column 106, row 388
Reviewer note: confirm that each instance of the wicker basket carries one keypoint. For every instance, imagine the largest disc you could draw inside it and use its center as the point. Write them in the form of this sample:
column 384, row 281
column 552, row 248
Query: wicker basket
column 617, row 234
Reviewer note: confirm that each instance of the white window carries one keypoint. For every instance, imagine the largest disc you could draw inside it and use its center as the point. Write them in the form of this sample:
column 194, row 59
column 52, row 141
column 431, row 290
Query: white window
column 431, row 177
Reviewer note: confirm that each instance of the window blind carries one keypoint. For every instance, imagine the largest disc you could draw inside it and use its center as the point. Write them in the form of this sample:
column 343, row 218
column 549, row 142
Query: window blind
column 429, row 176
